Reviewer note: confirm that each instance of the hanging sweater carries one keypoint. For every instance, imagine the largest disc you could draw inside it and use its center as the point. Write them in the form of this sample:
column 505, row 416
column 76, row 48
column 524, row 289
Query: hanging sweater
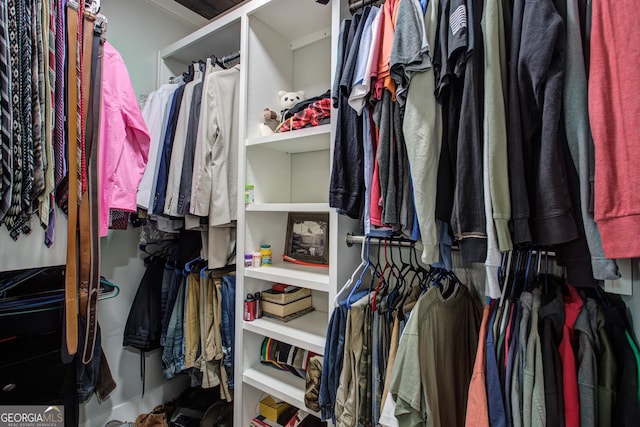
column 541, row 206
column 614, row 108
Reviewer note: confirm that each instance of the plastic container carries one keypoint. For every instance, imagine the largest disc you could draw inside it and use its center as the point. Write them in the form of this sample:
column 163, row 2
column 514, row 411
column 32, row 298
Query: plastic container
column 265, row 251
column 248, row 260
column 257, row 259
column 249, row 193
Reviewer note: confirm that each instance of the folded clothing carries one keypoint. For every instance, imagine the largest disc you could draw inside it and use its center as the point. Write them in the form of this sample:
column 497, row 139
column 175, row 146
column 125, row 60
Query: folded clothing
column 311, row 112
column 285, row 357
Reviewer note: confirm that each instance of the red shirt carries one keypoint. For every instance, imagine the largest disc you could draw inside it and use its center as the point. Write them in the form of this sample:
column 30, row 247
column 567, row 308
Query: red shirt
column 614, row 108
column 572, row 307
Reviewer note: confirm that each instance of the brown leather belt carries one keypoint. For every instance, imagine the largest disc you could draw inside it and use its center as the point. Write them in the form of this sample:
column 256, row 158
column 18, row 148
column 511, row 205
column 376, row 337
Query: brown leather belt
column 89, row 218
column 71, row 273
column 89, row 261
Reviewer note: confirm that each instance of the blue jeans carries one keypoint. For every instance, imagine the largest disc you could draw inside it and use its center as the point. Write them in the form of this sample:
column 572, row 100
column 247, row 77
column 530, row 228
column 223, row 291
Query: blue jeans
column 228, row 324
column 332, row 366
column 173, row 351
column 170, row 286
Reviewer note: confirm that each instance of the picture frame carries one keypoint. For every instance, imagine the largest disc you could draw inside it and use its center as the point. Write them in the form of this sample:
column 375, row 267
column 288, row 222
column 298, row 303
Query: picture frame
column 307, row 239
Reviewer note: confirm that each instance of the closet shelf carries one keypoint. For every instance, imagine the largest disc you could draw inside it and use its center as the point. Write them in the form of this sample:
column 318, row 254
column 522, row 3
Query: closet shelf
column 306, row 332
column 293, row 19
column 280, row 384
column 297, row 141
column 287, row 207
column 316, row 278
column 219, row 37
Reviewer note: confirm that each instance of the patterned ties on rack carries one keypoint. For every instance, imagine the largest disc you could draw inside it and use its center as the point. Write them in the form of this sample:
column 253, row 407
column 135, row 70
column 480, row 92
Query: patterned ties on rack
column 37, row 96
column 14, row 54
column 26, row 53
column 59, row 135
column 6, row 141
column 82, row 166
column 45, row 199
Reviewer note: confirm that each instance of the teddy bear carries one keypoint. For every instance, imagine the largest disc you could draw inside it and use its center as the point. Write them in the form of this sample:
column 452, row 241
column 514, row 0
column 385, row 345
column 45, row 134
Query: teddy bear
column 289, row 99
column 270, row 123
column 272, row 119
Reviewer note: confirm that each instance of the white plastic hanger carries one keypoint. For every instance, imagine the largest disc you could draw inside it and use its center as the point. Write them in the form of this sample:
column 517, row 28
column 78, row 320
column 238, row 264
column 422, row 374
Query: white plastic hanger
column 367, row 242
column 351, row 281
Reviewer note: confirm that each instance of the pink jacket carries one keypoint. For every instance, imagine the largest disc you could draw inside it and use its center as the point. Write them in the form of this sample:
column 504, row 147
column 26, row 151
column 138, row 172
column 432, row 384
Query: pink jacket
column 124, row 139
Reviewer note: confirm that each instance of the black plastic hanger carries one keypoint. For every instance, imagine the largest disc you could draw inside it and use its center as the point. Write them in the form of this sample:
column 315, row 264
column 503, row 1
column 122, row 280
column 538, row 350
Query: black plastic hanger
column 188, row 75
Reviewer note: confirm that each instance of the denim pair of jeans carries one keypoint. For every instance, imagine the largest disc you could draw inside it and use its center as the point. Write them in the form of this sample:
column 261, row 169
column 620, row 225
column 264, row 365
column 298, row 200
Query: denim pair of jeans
column 332, row 367
column 173, row 352
column 170, row 285
column 228, row 294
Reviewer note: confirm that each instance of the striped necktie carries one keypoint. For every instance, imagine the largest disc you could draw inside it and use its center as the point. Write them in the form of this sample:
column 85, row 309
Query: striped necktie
column 37, row 100
column 26, row 55
column 58, row 133
column 16, row 121
column 53, row 159
column 82, row 165
column 6, row 141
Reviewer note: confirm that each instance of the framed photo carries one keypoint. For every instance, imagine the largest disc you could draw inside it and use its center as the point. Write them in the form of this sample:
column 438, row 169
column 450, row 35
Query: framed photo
column 308, row 237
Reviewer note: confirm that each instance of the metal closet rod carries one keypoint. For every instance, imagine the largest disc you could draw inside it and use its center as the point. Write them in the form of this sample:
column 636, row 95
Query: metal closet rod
column 355, row 6
column 353, row 239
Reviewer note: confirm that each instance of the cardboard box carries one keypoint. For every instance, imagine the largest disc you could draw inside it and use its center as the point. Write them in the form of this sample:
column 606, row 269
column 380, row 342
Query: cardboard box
column 272, row 409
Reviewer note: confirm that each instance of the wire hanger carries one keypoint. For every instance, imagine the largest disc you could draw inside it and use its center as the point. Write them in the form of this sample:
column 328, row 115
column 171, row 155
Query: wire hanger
column 159, row 248
column 19, row 278
column 104, row 283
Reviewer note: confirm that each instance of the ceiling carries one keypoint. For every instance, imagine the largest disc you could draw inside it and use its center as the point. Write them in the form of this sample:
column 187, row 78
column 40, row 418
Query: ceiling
column 209, row 8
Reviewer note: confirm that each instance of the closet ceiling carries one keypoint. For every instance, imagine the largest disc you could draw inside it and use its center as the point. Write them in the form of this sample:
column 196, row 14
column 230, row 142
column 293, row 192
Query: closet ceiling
column 209, row 8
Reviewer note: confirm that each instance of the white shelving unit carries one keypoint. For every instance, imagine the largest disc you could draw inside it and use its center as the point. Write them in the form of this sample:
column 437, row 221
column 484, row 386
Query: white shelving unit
column 298, row 141
column 281, row 385
column 307, row 332
column 285, row 45
column 287, row 207
column 316, row 278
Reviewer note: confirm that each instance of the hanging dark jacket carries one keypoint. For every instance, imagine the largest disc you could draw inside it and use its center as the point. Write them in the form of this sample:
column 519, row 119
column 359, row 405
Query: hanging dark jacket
column 143, row 327
column 626, row 409
column 550, row 326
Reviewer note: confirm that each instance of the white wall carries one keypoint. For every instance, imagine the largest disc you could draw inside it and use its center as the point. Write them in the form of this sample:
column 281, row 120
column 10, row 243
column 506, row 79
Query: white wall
column 137, row 29
column 122, row 264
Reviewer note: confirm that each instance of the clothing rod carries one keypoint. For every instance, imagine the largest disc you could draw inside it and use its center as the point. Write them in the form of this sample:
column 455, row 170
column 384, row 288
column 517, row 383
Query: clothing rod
column 230, row 57
column 361, row 4
column 353, row 239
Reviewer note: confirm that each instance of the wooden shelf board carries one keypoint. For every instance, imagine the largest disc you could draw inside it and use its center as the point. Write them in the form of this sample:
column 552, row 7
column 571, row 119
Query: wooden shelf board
column 316, row 278
column 308, row 331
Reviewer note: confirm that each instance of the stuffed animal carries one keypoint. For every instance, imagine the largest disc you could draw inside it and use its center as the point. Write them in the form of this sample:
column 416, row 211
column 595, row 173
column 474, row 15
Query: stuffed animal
column 270, row 123
column 271, row 119
column 289, row 99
